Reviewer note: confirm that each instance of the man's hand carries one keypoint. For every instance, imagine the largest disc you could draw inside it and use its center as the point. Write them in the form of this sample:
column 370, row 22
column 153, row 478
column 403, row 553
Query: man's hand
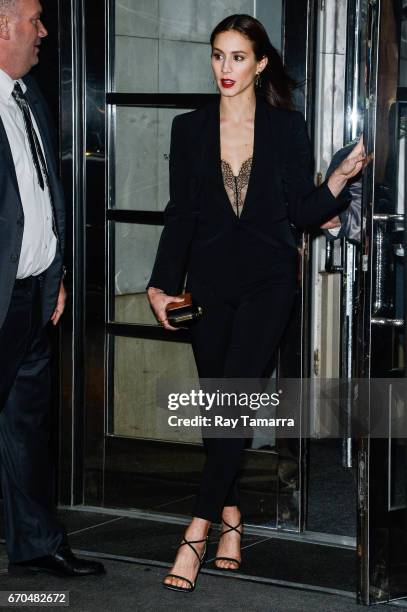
column 60, row 304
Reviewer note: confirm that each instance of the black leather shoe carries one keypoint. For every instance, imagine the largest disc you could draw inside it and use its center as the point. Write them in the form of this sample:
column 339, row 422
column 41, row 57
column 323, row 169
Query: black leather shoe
column 63, row 563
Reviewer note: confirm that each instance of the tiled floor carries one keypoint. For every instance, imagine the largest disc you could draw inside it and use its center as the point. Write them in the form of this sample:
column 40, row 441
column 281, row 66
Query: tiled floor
column 263, row 556
column 137, row 588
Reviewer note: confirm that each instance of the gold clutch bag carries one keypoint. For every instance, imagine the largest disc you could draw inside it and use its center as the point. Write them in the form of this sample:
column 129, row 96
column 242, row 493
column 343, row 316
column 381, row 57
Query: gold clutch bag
column 185, row 313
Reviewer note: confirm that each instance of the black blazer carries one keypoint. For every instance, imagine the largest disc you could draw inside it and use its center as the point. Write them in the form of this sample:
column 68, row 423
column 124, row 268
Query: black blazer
column 202, row 235
column 12, row 215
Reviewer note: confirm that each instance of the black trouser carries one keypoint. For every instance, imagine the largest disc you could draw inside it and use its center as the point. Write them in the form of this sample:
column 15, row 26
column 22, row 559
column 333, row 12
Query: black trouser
column 235, row 339
column 27, row 478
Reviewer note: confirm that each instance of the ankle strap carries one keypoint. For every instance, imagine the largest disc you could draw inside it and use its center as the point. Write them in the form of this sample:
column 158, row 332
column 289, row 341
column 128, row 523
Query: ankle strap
column 231, row 528
column 190, row 542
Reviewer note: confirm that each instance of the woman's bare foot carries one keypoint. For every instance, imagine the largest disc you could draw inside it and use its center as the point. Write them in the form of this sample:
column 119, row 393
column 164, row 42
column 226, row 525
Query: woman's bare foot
column 186, row 562
column 229, row 543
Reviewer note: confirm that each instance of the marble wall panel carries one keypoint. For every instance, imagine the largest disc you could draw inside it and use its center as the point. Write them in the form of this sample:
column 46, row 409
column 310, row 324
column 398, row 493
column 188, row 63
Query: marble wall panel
column 136, row 18
column 194, row 20
column 185, row 67
column 134, row 308
column 140, row 365
column 165, row 117
column 136, row 64
column 142, row 157
column 335, row 26
column 269, row 12
column 135, row 251
column 136, row 158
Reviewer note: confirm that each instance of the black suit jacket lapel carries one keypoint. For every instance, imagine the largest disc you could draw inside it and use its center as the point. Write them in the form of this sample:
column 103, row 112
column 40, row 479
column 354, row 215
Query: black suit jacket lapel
column 39, row 114
column 5, row 149
column 210, row 140
column 41, row 121
column 264, row 150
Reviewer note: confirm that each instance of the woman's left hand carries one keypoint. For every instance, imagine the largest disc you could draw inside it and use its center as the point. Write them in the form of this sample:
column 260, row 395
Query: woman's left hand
column 355, row 162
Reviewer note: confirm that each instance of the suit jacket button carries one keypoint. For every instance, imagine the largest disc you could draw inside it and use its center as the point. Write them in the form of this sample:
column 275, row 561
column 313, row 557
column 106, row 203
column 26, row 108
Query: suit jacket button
column 13, row 258
column 20, row 222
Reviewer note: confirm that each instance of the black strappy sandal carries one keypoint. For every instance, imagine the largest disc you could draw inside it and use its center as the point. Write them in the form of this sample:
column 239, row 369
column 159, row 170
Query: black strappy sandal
column 201, row 559
column 229, row 569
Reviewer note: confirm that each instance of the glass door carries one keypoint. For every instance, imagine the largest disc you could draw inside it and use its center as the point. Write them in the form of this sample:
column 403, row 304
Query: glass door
column 382, row 456
column 157, row 65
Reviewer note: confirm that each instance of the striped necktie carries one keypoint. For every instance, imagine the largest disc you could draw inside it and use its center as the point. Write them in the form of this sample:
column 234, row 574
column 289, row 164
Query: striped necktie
column 36, row 151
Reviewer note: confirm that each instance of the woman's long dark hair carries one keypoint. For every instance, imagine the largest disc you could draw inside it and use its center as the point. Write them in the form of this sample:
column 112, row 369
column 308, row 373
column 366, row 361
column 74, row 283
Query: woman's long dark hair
column 275, row 85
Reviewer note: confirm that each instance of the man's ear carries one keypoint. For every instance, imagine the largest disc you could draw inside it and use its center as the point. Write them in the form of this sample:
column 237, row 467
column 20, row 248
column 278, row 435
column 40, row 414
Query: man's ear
column 4, row 29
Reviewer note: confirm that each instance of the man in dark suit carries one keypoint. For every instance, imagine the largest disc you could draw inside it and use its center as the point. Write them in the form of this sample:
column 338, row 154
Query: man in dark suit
column 31, row 293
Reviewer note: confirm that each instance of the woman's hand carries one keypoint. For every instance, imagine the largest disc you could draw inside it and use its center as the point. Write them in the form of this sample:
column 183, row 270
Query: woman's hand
column 354, row 163
column 332, row 223
column 159, row 302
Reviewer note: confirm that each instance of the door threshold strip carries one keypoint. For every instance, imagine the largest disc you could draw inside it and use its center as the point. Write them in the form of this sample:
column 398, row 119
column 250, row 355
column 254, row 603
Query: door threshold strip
column 217, row 574
column 308, row 537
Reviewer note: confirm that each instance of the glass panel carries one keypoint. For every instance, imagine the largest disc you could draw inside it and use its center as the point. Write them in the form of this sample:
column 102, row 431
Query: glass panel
column 139, row 366
column 135, row 250
column 388, row 352
column 142, row 146
column 163, row 45
column 398, row 473
column 403, row 46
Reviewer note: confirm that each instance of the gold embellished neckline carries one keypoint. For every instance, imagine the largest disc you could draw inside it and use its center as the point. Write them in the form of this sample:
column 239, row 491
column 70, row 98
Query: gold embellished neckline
column 242, row 166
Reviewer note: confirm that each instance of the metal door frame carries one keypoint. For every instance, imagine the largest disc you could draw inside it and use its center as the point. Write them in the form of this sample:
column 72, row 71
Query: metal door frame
column 84, row 445
column 375, row 523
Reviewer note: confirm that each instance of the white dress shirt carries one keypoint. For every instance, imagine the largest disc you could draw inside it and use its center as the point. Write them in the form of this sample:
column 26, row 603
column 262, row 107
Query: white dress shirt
column 39, row 241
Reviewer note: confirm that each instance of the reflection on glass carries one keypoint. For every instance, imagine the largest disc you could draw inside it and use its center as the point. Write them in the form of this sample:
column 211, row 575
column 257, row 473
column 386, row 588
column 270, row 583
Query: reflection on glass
column 135, row 250
column 389, row 235
column 403, row 44
column 397, row 447
column 140, row 366
column 398, row 473
column 390, row 186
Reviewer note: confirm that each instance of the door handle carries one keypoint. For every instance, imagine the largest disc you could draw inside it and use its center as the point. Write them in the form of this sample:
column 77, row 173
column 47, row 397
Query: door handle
column 330, row 266
column 386, row 322
column 388, row 217
column 384, row 253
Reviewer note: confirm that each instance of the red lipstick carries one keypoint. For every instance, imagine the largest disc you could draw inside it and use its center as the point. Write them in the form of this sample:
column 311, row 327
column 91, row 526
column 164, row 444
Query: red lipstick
column 227, row 83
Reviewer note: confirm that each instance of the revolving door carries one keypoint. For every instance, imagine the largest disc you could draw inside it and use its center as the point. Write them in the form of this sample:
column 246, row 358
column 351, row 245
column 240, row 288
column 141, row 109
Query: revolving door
column 381, row 286
column 124, row 76
column 130, row 100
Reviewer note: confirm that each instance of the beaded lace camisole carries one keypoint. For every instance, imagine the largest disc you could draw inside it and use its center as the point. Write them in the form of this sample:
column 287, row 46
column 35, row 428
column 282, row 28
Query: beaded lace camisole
column 236, row 186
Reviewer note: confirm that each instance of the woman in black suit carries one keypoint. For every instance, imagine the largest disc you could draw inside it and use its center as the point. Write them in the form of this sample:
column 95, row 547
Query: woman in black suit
column 240, row 171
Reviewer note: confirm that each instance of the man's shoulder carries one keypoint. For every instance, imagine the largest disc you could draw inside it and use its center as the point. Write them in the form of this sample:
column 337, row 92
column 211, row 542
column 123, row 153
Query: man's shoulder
column 31, row 83
column 36, row 96
column 34, row 91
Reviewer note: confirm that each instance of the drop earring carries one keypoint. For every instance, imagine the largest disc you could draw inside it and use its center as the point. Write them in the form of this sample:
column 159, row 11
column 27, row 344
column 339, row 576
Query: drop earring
column 258, row 79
